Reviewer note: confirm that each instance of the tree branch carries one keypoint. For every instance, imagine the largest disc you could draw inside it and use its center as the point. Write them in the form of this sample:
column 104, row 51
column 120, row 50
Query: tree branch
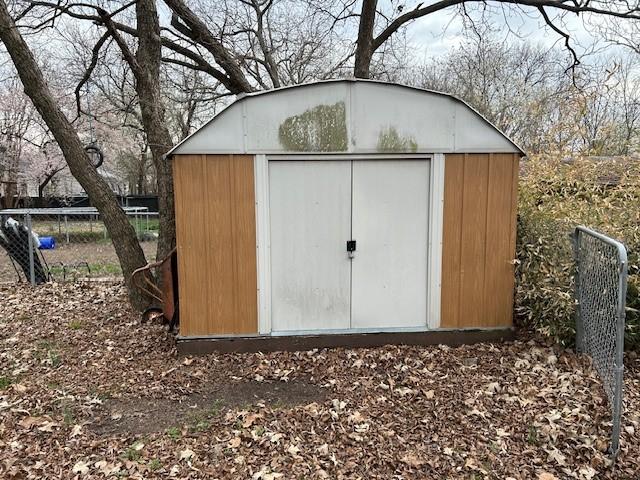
column 121, row 27
column 128, row 55
column 576, row 7
column 566, row 37
column 95, row 52
column 197, row 31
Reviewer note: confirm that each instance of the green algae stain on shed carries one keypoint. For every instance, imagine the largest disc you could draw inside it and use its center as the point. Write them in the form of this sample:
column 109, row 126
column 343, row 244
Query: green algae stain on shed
column 389, row 140
column 319, row 129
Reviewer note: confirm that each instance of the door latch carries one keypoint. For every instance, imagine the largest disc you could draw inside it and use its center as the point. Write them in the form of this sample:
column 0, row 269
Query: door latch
column 351, row 247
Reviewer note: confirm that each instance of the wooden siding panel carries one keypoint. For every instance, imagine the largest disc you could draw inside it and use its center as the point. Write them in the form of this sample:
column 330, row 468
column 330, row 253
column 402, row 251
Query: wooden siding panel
column 473, row 241
column 480, row 202
column 452, row 234
column 245, row 235
column 190, row 215
column 215, row 223
column 218, row 259
column 499, row 266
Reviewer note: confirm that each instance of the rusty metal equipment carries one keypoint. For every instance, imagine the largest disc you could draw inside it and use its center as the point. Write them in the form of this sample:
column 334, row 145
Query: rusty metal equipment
column 164, row 273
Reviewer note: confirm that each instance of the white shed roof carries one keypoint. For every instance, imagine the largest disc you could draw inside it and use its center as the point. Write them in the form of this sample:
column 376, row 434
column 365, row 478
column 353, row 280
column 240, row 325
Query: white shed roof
column 347, row 116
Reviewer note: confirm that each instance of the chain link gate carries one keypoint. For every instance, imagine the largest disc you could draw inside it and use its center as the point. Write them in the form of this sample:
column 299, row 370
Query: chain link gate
column 600, row 290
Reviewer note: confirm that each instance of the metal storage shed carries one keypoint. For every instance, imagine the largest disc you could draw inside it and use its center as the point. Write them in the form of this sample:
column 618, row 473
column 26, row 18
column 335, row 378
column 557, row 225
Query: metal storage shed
column 325, row 213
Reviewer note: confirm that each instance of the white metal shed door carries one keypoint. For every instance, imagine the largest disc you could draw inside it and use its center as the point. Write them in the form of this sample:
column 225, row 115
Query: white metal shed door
column 310, row 217
column 390, row 223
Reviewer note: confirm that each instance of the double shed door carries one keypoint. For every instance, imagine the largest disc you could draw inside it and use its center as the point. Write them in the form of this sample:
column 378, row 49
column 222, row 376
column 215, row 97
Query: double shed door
column 315, row 208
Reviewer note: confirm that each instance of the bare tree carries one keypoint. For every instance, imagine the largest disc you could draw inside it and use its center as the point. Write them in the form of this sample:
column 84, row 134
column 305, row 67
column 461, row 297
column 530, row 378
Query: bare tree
column 376, row 27
column 18, row 120
column 190, row 99
column 516, row 85
column 145, row 65
column 525, row 91
column 628, row 104
column 609, row 109
column 127, row 248
column 51, row 163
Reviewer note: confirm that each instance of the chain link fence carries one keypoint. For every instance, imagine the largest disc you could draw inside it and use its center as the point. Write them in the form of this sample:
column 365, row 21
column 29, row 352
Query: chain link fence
column 601, row 288
column 62, row 244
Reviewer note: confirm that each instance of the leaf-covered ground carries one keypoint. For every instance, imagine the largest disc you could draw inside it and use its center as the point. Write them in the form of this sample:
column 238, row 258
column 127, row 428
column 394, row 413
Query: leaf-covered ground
column 88, row 391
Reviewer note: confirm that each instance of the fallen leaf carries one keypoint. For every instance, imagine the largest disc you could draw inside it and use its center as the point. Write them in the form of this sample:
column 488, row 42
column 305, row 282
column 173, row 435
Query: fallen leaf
column 19, row 388
column 559, row 458
column 293, row 450
column 546, row 476
column 81, row 468
column 48, row 426
column 250, row 419
column 492, row 388
column 29, row 422
column 587, row 472
column 187, row 454
column 412, row 460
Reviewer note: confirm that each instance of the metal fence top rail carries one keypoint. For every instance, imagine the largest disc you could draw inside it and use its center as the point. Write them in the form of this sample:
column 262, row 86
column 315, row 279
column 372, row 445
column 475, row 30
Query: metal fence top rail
column 622, row 251
column 66, row 211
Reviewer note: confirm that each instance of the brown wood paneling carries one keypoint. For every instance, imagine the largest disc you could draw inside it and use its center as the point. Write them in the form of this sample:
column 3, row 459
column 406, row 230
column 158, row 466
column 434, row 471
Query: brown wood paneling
column 479, row 240
column 244, row 231
column 499, row 255
column 452, row 234
column 219, row 256
column 190, row 216
column 216, row 240
column 473, row 240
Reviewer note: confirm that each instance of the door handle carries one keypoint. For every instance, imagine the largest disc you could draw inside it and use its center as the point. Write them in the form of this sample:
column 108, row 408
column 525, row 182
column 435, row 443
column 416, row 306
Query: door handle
column 351, row 248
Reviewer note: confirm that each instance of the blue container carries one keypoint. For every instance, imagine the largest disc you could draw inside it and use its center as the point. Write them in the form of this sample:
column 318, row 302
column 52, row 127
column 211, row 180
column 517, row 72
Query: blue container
column 47, row 243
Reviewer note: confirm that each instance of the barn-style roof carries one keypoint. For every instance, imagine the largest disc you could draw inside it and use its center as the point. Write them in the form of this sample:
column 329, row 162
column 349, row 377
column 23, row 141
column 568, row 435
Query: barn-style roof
column 347, row 116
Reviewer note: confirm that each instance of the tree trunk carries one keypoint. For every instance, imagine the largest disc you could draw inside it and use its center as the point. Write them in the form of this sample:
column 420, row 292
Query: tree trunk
column 42, row 186
column 364, row 45
column 149, row 58
column 124, row 238
column 40, row 202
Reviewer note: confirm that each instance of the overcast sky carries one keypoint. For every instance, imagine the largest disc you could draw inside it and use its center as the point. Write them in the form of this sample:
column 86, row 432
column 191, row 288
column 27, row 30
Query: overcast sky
column 436, row 34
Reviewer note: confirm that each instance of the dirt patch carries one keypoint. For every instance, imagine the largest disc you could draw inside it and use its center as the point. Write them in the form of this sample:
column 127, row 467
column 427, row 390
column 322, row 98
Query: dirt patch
column 140, row 416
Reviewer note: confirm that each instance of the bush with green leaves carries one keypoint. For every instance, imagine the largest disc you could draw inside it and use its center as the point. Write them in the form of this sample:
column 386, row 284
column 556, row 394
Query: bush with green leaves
column 555, row 196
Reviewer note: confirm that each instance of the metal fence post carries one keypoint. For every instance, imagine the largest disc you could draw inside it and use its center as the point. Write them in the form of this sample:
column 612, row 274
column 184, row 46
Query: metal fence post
column 619, row 361
column 32, row 269
column 575, row 240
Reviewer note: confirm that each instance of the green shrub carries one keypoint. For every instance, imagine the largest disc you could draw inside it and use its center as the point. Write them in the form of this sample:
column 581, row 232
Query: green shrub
column 555, row 197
